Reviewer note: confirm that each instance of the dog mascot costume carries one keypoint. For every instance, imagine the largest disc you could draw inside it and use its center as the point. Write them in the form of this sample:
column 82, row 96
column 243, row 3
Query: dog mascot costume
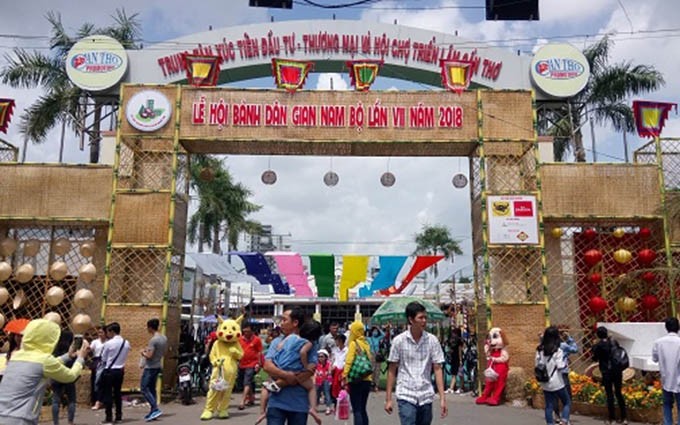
column 497, row 357
column 224, row 357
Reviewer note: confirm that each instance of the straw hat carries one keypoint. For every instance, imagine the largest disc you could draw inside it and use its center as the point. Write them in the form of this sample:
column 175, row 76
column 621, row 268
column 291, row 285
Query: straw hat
column 54, row 317
column 627, row 374
column 19, row 300
column 7, row 247
column 61, row 246
column 31, row 247
column 83, row 298
column 58, row 270
column 4, row 295
column 25, row 273
column 5, row 271
column 87, row 272
column 87, row 249
column 81, row 323
column 54, row 296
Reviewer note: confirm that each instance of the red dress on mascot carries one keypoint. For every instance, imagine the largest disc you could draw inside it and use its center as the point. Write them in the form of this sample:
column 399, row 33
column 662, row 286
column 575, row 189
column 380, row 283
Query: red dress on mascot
column 497, row 357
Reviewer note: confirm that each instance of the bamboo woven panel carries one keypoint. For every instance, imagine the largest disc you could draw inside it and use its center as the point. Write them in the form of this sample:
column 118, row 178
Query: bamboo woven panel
column 607, row 190
column 670, row 154
column 137, row 275
column 508, row 173
column 674, row 224
column 8, row 154
column 56, row 191
column 316, row 130
column 515, row 274
column 170, row 92
column 522, row 325
column 145, row 164
column 132, row 320
column 507, row 115
column 179, row 234
column 141, row 218
column 475, row 176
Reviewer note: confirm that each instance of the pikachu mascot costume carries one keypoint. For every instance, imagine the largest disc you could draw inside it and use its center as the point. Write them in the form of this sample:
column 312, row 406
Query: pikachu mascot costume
column 224, row 357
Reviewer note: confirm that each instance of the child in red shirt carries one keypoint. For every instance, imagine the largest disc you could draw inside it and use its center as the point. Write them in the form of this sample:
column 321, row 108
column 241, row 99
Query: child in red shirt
column 323, row 377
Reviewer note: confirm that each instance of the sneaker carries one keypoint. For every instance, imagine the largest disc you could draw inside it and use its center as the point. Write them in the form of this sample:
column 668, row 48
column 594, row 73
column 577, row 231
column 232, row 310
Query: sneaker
column 107, row 422
column 271, row 386
column 154, row 415
column 146, row 417
column 448, row 391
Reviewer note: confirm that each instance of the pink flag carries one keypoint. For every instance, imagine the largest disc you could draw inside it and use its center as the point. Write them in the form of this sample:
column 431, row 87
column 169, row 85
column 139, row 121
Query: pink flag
column 290, row 267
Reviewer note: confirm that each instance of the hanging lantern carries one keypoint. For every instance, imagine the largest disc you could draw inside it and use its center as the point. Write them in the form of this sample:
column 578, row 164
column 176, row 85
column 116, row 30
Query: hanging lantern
column 331, row 178
column 595, row 278
column 459, row 181
column 87, row 272
column 53, row 316
column 644, row 232
column 622, row 256
column 83, row 298
column 597, row 305
column 557, row 232
column 269, row 177
column 7, row 247
column 58, row 270
column 456, row 75
column 646, row 256
column 592, row 257
column 4, row 295
column 362, row 73
column 590, row 233
column 206, row 174
column 649, row 302
column 81, row 323
column 387, row 179
column 5, row 271
column 290, row 74
column 2, row 321
column 31, row 247
column 619, row 232
column 202, row 70
column 25, row 273
column 61, row 246
column 626, row 305
column 87, row 249
column 648, row 277
column 54, row 296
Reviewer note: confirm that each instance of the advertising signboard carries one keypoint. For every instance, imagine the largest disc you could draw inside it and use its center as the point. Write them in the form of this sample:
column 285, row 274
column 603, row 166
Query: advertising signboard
column 560, row 70
column 96, row 63
column 513, row 220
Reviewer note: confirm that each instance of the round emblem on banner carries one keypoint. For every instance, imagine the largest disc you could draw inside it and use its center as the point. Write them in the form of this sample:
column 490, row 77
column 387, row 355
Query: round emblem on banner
column 269, row 177
column 459, row 181
column 331, row 178
column 96, row 63
column 148, row 110
column 387, row 179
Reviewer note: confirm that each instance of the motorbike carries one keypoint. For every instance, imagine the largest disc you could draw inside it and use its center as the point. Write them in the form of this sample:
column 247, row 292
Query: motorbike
column 184, row 378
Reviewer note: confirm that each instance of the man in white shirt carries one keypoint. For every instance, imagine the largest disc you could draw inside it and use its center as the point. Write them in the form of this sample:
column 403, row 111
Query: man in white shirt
column 415, row 354
column 666, row 352
column 96, row 347
column 114, row 355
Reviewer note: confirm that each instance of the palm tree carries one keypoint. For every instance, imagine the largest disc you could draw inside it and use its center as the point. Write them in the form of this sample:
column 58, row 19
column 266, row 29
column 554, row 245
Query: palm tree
column 436, row 240
column 221, row 203
column 62, row 99
column 604, row 99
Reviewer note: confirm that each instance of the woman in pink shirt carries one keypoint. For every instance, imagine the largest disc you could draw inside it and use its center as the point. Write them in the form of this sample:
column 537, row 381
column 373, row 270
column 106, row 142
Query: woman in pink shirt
column 322, row 379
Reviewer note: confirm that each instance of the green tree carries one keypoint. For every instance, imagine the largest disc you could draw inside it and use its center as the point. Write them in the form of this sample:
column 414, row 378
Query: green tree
column 223, row 207
column 604, row 99
column 436, row 240
column 61, row 101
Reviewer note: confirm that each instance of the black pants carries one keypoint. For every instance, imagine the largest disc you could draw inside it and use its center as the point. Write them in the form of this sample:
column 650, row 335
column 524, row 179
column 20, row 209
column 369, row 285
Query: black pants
column 358, row 396
column 612, row 381
column 110, row 391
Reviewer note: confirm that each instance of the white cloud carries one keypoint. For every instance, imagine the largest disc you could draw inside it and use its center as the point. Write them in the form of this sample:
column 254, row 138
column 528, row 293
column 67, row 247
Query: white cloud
column 331, row 78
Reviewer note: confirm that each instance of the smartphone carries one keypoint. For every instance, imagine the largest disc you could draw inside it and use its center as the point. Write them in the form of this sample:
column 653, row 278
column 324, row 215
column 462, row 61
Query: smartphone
column 78, row 342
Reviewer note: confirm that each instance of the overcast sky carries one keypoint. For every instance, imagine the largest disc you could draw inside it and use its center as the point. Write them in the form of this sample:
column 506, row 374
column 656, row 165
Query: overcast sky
column 359, row 215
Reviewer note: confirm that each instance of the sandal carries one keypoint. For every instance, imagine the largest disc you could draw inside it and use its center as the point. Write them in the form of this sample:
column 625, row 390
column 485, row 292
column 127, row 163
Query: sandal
column 241, row 407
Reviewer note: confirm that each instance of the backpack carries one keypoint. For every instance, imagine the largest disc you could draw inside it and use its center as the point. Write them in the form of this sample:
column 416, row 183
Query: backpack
column 541, row 370
column 618, row 357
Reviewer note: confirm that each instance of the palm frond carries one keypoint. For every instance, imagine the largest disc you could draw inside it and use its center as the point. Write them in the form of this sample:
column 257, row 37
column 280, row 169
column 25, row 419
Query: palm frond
column 619, row 115
column 620, row 82
column 126, row 30
column 32, row 69
column 597, row 54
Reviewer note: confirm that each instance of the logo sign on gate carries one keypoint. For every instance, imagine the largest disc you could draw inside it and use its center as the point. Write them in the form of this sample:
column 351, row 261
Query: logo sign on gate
column 560, row 70
column 96, row 63
column 513, row 220
column 148, row 110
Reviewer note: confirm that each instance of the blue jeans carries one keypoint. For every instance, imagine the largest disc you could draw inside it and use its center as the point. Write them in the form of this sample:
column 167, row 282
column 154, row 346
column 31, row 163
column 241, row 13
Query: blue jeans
column 410, row 414
column 668, row 399
column 276, row 416
column 148, row 386
column 551, row 398
column 326, row 389
column 57, row 390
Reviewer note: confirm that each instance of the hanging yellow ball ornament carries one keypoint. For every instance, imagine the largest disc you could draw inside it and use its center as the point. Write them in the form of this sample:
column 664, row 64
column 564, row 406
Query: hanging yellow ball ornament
column 7, row 247
column 83, row 298
column 2, row 321
column 81, row 323
column 619, row 232
column 4, row 295
column 61, row 246
column 31, row 247
column 87, row 249
column 626, row 304
column 54, row 296
column 5, row 271
column 622, row 256
column 87, row 272
column 557, row 232
column 25, row 273
column 58, row 270
column 53, row 317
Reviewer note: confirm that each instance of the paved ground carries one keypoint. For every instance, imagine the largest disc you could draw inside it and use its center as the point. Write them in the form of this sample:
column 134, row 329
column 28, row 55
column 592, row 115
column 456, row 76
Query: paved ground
column 462, row 411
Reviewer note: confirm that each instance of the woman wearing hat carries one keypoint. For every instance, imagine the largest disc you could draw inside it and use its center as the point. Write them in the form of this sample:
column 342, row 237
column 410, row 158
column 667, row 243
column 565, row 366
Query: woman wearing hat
column 322, row 379
column 15, row 333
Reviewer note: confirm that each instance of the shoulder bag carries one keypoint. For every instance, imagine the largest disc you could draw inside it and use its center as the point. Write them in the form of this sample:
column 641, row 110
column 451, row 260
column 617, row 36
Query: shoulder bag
column 361, row 365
